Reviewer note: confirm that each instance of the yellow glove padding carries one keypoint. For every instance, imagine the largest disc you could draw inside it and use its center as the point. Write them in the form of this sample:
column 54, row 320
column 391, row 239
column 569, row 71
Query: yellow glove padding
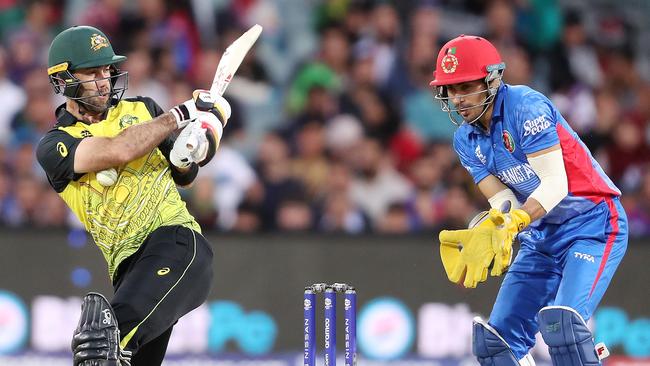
column 510, row 224
column 472, row 251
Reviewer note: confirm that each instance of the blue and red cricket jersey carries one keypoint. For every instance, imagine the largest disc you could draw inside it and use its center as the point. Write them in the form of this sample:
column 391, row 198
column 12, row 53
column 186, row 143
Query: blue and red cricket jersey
column 567, row 257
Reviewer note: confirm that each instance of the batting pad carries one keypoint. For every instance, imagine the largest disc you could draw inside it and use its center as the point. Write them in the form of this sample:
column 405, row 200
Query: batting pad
column 569, row 340
column 489, row 347
column 97, row 337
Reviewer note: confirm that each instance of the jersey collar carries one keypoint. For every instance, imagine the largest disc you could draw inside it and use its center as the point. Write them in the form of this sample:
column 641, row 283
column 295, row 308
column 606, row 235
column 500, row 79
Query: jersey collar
column 65, row 118
column 497, row 111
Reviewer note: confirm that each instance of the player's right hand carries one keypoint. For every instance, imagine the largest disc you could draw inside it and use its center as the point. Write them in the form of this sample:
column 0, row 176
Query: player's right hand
column 508, row 223
column 188, row 111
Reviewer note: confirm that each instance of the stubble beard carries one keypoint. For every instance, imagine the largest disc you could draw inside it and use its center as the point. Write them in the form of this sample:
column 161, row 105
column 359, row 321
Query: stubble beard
column 95, row 104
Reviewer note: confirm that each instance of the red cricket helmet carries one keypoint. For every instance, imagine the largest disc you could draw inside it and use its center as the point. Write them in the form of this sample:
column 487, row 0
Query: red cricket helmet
column 465, row 58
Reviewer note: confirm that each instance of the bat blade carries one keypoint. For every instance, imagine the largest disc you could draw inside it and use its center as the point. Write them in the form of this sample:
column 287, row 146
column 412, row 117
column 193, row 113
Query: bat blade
column 232, row 58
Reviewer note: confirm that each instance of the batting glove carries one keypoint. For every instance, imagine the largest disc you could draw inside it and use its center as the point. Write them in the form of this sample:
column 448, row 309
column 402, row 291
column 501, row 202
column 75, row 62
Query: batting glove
column 187, row 111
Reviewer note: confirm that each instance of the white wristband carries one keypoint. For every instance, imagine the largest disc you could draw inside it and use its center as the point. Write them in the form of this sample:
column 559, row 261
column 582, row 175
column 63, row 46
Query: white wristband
column 498, row 199
column 184, row 113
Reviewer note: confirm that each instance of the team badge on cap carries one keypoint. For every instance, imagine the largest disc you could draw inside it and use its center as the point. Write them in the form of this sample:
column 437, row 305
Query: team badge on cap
column 98, row 41
column 450, row 61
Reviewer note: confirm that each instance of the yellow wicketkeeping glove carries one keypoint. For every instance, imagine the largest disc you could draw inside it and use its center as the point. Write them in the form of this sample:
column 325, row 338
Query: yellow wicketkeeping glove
column 471, row 251
column 468, row 252
column 507, row 226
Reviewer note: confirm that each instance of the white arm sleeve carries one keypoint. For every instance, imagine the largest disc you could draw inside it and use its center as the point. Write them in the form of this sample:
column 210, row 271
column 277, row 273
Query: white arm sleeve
column 498, row 199
column 554, row 185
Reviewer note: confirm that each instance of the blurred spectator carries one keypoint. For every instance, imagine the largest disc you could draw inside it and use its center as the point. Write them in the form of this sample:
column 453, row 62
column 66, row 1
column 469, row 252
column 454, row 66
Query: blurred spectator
column 315, row 76
column 421, row 112
column 310, row 165
column 458, row 207
column 52, row 211
column 574, row 58
column 340, row 213
column 274, row 171
column 103, row 14
column 24, row 161
column 628, row 149
column 425, row 204
column 637, row 206
column 377, row 184
column 14, row 99
column 37, row 116
column 382, row 45
column 500, row 16
column 425, row 21
column 608, row 115
column 294, row 214
column 621, row 75
column 28, row 44
column 541, row 22
column 6, row 197
column 139, row 65
column 26, row 203
column 395, row 221
column 248, row 218
column 230, row 177
column 380, row 120
column 342, row 136
column 519, row 68
column 201, row 202
column 335, row 50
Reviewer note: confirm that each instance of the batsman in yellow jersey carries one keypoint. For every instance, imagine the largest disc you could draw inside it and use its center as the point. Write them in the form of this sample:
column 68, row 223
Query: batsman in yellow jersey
column 116, row 164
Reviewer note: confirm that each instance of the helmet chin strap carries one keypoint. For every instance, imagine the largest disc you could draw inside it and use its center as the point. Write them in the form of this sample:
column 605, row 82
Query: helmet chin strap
column 494, row 76
column 88, row 108
column 486, row 105
column 492, row 83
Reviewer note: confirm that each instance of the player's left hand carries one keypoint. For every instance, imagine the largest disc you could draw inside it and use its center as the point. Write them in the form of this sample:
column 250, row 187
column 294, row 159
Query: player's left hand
column 215, row 104
column 199, row 140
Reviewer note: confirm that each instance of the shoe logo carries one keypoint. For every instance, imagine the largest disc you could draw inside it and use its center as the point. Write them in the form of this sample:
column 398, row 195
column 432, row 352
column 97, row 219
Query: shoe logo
column 163, row 271
column 107, row 317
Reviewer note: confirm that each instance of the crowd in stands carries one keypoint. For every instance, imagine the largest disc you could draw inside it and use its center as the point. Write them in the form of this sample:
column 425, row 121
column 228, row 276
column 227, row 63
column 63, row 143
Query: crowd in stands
column 334, row 125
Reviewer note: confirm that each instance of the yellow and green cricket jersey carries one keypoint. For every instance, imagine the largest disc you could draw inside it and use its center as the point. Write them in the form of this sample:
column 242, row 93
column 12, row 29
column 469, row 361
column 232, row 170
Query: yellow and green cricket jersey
column 143, row 198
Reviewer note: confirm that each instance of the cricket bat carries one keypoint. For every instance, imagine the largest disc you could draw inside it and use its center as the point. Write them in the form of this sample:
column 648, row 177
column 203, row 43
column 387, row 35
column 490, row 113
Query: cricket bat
column 232, row 58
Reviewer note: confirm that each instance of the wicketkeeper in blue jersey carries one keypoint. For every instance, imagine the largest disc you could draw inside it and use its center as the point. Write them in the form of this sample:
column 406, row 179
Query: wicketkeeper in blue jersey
column 547, row 192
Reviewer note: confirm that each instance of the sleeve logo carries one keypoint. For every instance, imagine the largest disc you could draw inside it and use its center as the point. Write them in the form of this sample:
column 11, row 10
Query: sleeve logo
column 60, row 147
column 535, row 126
column 480, row 155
